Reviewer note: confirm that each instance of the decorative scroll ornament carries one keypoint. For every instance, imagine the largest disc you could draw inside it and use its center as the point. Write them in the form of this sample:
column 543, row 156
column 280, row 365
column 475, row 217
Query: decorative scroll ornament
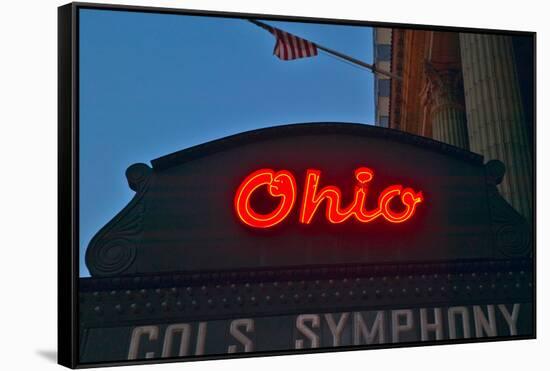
column 113, row 248
column 512, row 233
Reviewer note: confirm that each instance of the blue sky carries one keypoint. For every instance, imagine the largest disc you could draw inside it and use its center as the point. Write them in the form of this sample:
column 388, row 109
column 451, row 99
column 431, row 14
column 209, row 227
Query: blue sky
column 152, row 84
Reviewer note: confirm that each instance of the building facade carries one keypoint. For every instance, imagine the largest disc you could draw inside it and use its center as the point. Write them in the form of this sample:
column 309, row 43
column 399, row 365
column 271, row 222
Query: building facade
column 382, row 59
column 473, row 91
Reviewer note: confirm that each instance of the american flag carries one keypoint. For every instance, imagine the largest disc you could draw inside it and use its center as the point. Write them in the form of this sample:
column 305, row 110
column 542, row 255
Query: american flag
column 288, row 46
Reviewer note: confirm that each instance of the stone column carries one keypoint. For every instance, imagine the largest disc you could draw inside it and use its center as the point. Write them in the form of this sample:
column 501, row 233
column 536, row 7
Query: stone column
column 496, row 123
column 444, row 101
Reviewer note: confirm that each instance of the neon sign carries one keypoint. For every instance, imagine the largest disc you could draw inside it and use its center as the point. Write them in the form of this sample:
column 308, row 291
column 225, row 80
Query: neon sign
column 279, row 184
column 282, row 185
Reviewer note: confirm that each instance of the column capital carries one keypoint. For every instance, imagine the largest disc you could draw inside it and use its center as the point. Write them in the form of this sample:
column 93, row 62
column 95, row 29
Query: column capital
column 443, row 87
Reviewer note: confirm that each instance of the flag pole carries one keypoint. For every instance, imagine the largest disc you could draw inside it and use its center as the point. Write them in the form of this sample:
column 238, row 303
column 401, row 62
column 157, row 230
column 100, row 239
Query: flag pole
column 356, row 61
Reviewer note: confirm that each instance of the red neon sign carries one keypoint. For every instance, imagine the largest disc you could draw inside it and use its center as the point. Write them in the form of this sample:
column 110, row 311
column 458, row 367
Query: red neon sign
column 279, row 184
column 282, row 184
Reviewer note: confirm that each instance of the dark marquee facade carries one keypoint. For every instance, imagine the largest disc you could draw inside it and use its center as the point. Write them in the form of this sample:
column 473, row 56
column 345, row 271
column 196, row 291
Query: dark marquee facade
column 177, row 274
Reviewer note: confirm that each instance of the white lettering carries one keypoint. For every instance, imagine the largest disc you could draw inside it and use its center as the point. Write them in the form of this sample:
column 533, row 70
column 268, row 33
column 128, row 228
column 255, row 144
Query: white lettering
column 201, row 338
column 171, row 331
column 151, row 331
column 248, row 324
column 360, row 329
column 436, row 326
column 463, row 312
column 485, row 326
column 398, row 328
column 306, row 331
column 336, row 329
column 511, row 319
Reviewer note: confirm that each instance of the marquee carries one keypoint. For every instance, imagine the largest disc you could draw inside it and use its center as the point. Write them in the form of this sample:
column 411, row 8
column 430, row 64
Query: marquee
column 306, row 236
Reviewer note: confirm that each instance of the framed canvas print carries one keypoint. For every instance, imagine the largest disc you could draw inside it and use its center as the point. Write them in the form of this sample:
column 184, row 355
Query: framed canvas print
column 238, row 185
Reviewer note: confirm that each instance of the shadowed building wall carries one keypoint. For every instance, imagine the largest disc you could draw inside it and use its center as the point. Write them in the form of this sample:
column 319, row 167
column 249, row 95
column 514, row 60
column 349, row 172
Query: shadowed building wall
column 496, row 121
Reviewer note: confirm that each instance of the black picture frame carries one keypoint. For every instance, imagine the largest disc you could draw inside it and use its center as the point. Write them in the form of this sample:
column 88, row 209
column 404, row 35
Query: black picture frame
column 68, row 178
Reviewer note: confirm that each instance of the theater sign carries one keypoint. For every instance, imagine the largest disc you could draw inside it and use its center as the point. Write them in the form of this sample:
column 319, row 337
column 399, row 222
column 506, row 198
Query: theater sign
column 307, row 236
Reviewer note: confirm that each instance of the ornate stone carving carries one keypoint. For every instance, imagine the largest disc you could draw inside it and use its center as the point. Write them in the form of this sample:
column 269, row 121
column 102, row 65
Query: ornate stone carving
column 113, row 248
column 511, row 232
column 444, row 87
column 443, row 100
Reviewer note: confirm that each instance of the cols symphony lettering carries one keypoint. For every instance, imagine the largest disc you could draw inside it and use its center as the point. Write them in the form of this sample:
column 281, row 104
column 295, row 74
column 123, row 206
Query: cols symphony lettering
column 325, row 330
column 282, row 184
